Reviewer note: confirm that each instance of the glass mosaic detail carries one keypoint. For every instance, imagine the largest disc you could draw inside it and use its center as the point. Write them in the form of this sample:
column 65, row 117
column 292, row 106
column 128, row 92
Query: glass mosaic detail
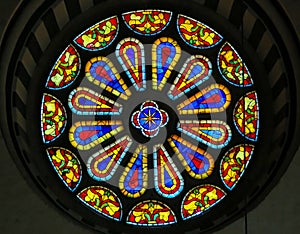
column 103, row 201
column 197, row 34
column 131, row 55
column 198, row 163
column 101, row 72
column 134, row 180
column 246, row 116
column 88, row 134
column 213, row 133
column 165, row 55
column 53, row 118
column 232, row 67
column 99, row 36
column 83, row 101
column 102, row 165
column 195, row 71
column 67, row 166
column 200, row 199
column 149, row 119
column 168, row 180
column 149, row 22
column 215, row 98
column 65, row 70
column 234, row 164
column 151, row 213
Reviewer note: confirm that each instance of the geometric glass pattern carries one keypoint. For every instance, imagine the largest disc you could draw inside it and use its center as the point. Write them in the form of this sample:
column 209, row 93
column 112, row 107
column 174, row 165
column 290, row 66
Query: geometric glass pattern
column 246, row 116
column 102, row 200
column 99, row 36
column 196, row 34
column 147, row 23
column 200, row 199
column 150, row 118
column 53, row 118
column 234, row 164
column 232, row 68
column 151, row 213
column 65, row 70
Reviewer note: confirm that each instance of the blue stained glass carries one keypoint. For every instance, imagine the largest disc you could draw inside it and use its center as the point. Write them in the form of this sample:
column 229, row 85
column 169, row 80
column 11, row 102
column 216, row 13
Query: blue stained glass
column 86, row 102
column 168, row 179
column 213, row 133
column 131, row 55
column 196, row 70
column 103, row 165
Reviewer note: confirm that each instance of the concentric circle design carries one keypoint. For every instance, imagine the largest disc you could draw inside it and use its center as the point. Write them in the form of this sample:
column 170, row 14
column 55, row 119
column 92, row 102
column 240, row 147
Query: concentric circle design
column 195, row 131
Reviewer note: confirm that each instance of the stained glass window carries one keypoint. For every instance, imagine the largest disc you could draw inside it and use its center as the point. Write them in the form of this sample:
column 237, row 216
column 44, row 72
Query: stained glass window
column 150, row 117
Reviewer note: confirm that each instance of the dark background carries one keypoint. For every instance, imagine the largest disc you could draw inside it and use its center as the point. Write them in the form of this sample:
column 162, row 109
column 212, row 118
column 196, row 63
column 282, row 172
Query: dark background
column 23, row 210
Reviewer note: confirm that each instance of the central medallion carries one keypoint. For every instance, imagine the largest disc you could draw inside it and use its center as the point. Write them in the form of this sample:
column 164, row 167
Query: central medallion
column 149, row 119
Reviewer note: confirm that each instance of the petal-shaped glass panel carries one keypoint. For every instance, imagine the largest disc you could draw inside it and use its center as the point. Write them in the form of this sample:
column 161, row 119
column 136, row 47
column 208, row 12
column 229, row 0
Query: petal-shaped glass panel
column 194, row 72
column 65, row 70
column 102, row 165
column 151, row 213
column 232, row 67
column 53, row 118
column 214, row 133
column 200, row 199
column 103, row 201
column 246, row 116
column 147, row 22
column 134, row 181
column 101, row 72
column 100, row 35
column 215, row 98
column 168, row 181
column 84, row 101
column 198, row 163
column 165, row 55
column 234, row 164
column 197, row 34
column 67, row 166
column 87, row 134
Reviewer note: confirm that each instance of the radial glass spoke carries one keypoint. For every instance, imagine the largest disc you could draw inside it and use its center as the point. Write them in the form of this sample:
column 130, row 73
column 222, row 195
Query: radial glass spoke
column 101, row 72
column 195, row 71
column 131, row 55
column 167, row 179
column 213, row 133
column 165, row 55
column 215, row 98
column 83, row 101
column 87, row 134
column 134, row 180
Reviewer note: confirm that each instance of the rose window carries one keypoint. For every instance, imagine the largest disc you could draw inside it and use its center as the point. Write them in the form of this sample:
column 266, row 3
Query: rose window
column 150, row 119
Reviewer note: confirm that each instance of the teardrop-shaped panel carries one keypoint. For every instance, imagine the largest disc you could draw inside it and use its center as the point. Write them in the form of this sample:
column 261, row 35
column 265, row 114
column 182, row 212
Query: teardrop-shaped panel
column 53, row 118
column 167, row 179
column 232, row 67
column 195, row 71
column 99, row 36
column 214, row 133
column 198, row 163
column 131, row 55
column 87, row 134
column 103, row 201
column 101, row 72
column 147, row 22
column 214, row 98
column 197, row 34
column 134, row 180
column 84, row 101
column 234, row 164
column 165, row 55
column 200, row 199
column 65, row 70
column 151, row 213
column 102, row 165
column 246, row 116
column 67, row 166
